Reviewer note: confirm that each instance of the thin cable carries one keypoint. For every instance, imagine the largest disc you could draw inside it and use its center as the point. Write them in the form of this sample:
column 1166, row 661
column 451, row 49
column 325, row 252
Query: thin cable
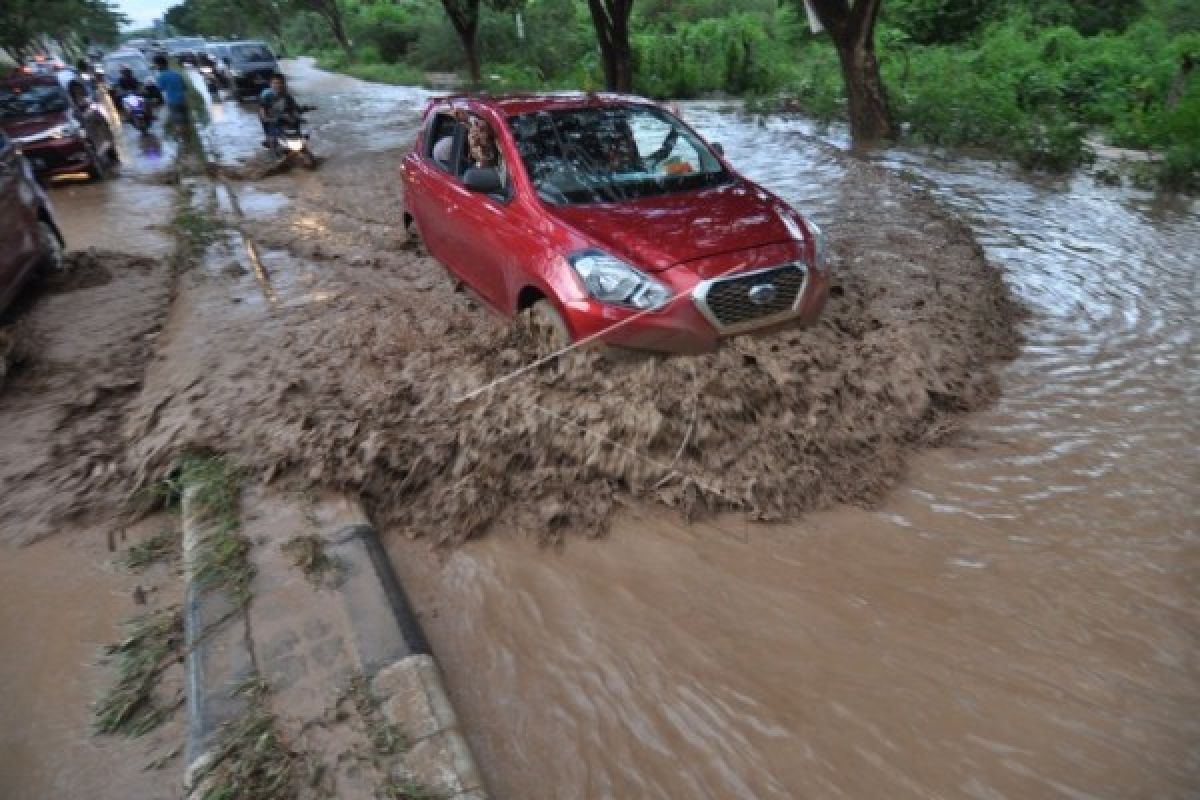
column 580, row 343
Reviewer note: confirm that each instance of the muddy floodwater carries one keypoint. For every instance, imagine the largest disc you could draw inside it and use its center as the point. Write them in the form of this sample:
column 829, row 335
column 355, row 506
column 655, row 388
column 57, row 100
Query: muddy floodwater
column 1017, row 617
column 1021, row 619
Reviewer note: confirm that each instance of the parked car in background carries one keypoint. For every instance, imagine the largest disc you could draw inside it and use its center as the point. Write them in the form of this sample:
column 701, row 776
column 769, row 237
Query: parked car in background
column 29, row 234
column 606, row 216
column 42, row 64
column 56, row 136
column 219, row 52
column 250, row 66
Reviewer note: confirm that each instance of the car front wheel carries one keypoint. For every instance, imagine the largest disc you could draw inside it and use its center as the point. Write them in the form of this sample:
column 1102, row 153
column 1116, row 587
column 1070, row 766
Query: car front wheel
column 51, row 247
column 98, row 170
column 545, row 328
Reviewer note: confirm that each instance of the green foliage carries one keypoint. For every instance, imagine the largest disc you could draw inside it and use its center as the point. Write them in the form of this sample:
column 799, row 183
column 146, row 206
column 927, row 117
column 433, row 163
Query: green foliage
column 937, row 21
column 24, row 22
column 736, row 53
column 1024, row 78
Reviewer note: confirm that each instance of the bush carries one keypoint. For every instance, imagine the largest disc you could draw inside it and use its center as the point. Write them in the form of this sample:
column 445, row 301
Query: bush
column 730, row 54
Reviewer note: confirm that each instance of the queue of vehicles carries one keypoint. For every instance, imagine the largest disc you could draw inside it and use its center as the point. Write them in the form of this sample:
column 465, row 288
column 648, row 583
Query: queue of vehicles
column 593, row 216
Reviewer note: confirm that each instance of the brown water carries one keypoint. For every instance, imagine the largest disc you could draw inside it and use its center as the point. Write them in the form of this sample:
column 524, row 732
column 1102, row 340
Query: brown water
column 62, row 603
column 1021, row 619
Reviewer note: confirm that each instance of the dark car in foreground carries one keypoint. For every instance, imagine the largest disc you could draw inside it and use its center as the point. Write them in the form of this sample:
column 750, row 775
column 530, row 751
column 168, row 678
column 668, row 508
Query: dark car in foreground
column 605, row 216
column 29, row 235
column 55, row 135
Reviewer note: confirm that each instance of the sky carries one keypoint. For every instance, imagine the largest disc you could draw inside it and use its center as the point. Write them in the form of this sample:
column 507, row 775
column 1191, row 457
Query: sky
column 143, row 12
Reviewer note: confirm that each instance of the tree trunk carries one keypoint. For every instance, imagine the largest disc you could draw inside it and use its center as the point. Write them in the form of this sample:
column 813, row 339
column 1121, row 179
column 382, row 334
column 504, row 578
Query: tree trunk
column 472, row 51
column 334, row 15
column 464, row 16
column 852, row 29
column 611, row 21
column 870, row 119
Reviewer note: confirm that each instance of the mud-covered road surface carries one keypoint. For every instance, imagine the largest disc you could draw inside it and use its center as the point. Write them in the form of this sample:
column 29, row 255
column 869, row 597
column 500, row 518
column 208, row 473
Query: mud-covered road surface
column 797, row 597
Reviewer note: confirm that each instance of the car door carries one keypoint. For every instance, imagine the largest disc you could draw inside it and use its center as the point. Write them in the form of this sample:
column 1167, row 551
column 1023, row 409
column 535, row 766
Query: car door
column 18, row 221
column 432, row 200
column 482, row 231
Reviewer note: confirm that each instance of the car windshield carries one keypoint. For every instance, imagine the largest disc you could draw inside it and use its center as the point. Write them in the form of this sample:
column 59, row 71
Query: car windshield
column 30, row 101
column 610, row 153
column 250, row 52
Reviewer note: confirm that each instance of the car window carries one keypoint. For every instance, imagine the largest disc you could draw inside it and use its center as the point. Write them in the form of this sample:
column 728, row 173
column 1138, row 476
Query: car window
column 251, row 52
column 482, row 151
column 440, row 143
column 611, row 153
column 29, row 101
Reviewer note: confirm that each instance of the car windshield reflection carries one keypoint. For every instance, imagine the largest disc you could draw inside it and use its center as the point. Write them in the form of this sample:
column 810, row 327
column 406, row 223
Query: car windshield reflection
column 31, row 101
column 612, row 153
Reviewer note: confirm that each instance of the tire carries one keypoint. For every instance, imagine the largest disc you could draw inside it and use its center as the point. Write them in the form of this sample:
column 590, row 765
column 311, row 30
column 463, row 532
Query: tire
column 412, row 237
column 53, row 252
column 98, row 171
column 544, row 326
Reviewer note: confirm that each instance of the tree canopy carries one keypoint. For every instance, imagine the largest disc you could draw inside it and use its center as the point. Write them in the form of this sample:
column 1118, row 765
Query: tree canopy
column 22, row 22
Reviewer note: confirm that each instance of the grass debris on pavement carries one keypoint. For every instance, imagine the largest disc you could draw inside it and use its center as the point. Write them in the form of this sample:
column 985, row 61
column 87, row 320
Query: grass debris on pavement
column 252, row 761
column 161, row 547
column 222, row 559
column 132, row 706
column 308, row 554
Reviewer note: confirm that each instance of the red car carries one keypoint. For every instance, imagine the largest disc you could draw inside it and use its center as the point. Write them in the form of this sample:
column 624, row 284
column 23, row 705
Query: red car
column 29, row 235
column 604, row 216
column 55, row 135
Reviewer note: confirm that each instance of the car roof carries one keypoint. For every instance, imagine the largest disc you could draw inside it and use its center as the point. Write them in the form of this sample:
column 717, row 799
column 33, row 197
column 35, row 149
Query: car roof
column 511, row 105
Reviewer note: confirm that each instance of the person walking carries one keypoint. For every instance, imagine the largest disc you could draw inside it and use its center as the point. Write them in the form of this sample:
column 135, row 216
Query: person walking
column 174, row 93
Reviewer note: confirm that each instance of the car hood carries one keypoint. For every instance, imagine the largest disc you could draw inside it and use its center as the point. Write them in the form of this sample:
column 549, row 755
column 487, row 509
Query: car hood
column 656, row 233
column 28, row 126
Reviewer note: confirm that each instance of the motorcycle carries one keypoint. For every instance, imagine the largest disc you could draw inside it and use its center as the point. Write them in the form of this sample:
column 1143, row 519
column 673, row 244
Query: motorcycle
column 290, row 140
column 137, row 110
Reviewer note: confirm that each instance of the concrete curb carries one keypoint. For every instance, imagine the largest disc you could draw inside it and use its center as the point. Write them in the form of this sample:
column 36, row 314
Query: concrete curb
column 384, row 640
column 219, row 657
column 393, row 653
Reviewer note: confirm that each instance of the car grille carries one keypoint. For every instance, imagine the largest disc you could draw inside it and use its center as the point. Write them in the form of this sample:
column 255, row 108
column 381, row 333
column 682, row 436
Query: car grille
column 730, row 303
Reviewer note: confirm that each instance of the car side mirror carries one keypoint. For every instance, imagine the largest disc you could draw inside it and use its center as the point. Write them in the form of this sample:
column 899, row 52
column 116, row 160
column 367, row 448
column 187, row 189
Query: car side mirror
column 718, row 148
column 485, row 180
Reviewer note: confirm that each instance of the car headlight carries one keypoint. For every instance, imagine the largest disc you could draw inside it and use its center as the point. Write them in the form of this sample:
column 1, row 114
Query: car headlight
column 206, row 70
column 611, row 280
column 795, row 231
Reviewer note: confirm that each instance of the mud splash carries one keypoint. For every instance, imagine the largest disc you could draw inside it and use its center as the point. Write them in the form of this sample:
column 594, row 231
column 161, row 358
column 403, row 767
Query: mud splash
column 358, row 390
column 87, row 338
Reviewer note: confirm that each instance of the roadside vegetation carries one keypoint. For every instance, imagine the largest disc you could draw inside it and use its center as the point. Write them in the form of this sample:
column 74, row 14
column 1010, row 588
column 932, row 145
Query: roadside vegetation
column 1024, row 79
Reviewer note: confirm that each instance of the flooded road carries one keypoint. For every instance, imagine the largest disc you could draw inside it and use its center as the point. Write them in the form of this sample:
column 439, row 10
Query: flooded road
column 1020, row 619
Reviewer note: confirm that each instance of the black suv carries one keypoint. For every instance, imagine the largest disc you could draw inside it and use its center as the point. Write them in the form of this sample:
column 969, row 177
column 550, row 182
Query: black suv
column 249, row 67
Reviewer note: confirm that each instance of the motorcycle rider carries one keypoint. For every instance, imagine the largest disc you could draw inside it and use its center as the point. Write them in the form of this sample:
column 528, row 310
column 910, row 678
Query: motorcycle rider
column 126, row 84
column 275, row 103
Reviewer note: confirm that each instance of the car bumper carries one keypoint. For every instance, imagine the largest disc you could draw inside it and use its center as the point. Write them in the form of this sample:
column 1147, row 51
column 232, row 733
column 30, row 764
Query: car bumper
column 683, row 326
column 52, row 157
